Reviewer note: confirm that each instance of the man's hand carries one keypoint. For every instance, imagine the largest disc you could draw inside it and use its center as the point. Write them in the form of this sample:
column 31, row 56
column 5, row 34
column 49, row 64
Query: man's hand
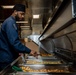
column 34, row 53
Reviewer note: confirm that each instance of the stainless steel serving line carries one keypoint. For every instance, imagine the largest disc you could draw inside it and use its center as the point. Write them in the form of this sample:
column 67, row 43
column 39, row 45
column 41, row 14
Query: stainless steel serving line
column 57, row 45
column 39, row 66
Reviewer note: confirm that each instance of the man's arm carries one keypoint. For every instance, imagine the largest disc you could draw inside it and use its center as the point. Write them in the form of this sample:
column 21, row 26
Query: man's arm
column 13, row 38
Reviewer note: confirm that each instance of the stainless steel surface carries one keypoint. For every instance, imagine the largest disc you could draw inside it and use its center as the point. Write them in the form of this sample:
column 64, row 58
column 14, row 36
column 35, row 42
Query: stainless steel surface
column 61, row 33
column 67, row 43
column 44, row 61
column 22, row 73
column 72, row 37
column 34, row 38
column 47, row 44
column 45, row 69
column 67, row 30
column 60, row 21
column 40, row 57
column 58, row 4
column 62, row 42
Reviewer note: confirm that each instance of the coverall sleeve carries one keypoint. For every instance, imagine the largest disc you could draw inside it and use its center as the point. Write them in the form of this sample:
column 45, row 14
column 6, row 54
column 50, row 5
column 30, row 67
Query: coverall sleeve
column 13, row 39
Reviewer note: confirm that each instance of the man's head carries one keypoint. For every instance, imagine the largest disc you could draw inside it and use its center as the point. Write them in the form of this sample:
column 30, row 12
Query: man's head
column 19, row 11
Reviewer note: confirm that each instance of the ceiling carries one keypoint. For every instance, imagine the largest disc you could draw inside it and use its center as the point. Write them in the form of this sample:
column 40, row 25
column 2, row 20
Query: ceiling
column 34, row 7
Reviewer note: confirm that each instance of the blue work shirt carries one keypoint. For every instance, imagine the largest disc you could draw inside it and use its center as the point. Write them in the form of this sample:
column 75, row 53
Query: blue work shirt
column 10, row 45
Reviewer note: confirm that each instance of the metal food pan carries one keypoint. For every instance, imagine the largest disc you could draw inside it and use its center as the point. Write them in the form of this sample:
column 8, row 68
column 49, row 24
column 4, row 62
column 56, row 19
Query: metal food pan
column 40, row 57
column 44, row 61
column 23, row 73
column 44, row 69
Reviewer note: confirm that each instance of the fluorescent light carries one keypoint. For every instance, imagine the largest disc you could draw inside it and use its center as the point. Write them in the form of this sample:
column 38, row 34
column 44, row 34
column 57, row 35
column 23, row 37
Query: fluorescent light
column 21, row 21
column 7, row 6
column 36, row 16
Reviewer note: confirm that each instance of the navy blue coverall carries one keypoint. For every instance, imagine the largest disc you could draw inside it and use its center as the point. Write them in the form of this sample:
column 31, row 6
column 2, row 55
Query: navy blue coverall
column 10, row 45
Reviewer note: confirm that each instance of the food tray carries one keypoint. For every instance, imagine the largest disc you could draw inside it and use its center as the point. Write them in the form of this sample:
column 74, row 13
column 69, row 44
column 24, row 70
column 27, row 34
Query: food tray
column 44, row 61
column 44, row 69
column 41, row 57
column 23, row 73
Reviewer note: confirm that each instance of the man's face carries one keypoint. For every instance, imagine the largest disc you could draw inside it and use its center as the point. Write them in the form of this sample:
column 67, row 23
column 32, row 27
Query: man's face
column 20, row 15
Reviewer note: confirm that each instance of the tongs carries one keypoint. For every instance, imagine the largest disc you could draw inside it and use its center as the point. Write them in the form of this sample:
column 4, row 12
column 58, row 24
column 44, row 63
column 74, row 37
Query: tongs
column 23, row 59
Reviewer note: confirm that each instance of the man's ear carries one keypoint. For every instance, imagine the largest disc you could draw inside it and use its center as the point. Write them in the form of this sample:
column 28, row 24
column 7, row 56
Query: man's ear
column 15, row 12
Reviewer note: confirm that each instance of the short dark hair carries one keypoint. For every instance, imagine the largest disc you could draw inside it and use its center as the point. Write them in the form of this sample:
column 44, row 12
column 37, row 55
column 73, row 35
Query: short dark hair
column 19, row 7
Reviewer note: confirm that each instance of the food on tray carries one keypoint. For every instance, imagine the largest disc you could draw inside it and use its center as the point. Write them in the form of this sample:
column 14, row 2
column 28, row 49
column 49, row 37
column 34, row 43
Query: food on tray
column 42, row 62
column 29, row 69
column 43, row 54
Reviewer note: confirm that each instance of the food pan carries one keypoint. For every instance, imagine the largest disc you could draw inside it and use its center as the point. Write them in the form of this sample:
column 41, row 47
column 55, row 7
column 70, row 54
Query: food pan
column 41, row 57
column 23, row 73
column 44, row 69
column 44, row 61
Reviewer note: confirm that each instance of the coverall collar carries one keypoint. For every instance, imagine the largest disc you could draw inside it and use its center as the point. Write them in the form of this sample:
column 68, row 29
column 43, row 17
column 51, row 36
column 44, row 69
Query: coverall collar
column 13, row 18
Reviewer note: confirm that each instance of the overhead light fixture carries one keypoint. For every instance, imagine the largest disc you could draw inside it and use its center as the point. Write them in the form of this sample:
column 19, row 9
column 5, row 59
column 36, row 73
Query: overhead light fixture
column 7, row 6
column 21, row 21
column 36, row 16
